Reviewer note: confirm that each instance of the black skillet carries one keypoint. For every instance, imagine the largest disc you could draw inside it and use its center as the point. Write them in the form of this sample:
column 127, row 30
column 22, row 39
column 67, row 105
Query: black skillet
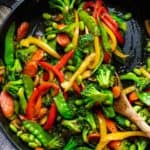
column 30, row 10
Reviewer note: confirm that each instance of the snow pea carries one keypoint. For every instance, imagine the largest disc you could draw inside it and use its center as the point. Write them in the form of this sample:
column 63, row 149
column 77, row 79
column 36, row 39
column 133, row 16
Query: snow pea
column 9, row 46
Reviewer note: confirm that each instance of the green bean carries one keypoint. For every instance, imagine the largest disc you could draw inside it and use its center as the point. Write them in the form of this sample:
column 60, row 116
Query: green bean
column 46, row 16
column 9, row 46
column 69, row 47
column 33, row 144
column 51, row 36
column 28, row 85
column 13, row 128
column 127, row 16
column 105, row 40
column 81, row 25
column 89, row 22
column 37, row 131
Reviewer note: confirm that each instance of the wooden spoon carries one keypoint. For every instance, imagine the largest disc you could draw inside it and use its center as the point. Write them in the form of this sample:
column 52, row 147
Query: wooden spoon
column 123, row 107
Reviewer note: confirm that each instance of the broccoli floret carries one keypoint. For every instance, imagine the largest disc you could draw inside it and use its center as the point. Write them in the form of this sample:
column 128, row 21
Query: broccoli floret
column 15, row 71
column 125, row 145
column 141, row 82
column 73, row 125
column 93, row 95
column 26, row 54
column 141, row 143
column 12, row 87
column 65, row 6
column 86, row 41
column 72, row 143
column 89, row 117
column 105, row 76
column 55, row 142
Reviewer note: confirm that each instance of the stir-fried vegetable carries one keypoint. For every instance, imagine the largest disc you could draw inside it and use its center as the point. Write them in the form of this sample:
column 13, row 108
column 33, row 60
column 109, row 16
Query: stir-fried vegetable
column 60, row 89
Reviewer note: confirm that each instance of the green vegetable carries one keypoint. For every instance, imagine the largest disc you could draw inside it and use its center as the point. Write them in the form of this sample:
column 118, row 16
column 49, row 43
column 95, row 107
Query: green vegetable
column 22, row 100
column 141, row 143
column 83, row 148
column 105, row 76
column 144, row 97
column 46, row 16
column 28, row 85
column 13, row 128
column 85, row 132
column 15, row 71
column 12, row 87
column 48, row 141
column 16, row 103
column 25, row 54
column 93, row 95
column 141, row 82
column 122, row 121
column 65, row 6
column 9, row 46
column 86, row 40
column 90, row 22
column 127, row 16
column 62, row 106
column 109, row 111
column 71, row 144
column 148, row 64
column 144, row 113
column 105, row 39
column 73, row 125
column 122, row 24
column 89, row 117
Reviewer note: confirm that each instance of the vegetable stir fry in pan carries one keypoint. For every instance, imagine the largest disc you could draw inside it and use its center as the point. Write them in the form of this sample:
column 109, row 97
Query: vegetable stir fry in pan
column 60, row 89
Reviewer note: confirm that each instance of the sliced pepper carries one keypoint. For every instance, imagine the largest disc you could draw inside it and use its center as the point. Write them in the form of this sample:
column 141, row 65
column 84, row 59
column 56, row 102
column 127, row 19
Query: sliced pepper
column 97, row 53
column 112, row 37
column 51, row 117
column 64, row 59
column 48, row 67
column 76, row 31
column 66, row 85
column 32, row 40
column 40, row 90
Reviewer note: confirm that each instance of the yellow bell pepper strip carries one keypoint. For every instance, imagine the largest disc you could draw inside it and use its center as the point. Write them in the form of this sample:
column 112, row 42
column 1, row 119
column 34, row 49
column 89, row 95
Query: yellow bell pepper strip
column 144, row 72
column 76, row 31
column 147, row 26
column 120, row 54
column 32, row 40
column 129, row 89
column 66, row 85
column 112, row 37
column 117, row 136
column 106, row 138
column 86, row 74
column 97, row 53
column 102, row 124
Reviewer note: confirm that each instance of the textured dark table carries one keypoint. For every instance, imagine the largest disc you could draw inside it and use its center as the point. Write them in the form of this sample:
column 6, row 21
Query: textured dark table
column 5, row 144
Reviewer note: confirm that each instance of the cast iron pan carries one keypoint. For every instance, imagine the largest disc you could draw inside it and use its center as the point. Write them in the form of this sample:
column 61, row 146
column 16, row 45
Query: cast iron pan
column 30, row 10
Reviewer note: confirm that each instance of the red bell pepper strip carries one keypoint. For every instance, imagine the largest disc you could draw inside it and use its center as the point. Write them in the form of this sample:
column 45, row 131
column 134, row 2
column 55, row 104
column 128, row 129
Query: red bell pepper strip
column 107, row 17
column 107, row 58
column 51, row 117
column 63, row 61
column 89, row 4
column 39, row 91
column 48, row 67
column 98, row 5
column 115, row 31
column 76, row 88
